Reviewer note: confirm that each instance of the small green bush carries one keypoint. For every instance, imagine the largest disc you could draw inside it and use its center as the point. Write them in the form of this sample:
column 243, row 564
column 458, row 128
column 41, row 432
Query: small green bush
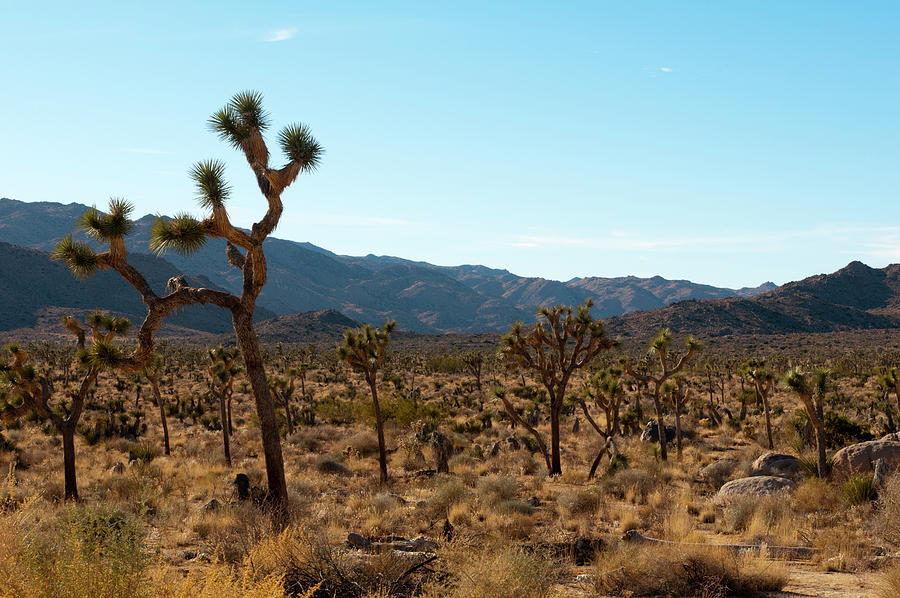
column 142, row 452
column 859, row 489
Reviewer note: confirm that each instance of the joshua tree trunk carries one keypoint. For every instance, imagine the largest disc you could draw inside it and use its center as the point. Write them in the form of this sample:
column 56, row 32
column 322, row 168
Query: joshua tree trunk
column 162, row 414
column 228, row 404
column 819, row 427
column 677, row 430
column 223, row 416
column 765, row 400
column 379, row 427
column 555, row 461
column 268, row 424
column 68, row 434
column 660, row 428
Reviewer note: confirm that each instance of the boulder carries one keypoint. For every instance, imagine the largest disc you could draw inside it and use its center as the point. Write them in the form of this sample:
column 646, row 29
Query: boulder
column 650, row 433
column 894, row 437
column 861, row 457
column 753, row 487
column 358, row 541
column 776, row 464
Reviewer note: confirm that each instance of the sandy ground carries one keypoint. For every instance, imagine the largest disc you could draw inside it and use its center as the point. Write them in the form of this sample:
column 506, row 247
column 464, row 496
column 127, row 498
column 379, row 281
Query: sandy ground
column 808, row 582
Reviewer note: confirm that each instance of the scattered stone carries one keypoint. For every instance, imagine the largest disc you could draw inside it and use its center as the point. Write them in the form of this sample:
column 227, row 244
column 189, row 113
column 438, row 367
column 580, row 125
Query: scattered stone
column 534, row 501
column 213, row 505
column 717, row 472
column 118, row 468
column 860, row 458
column 204, row 558
column 776, row 464
column 753, row 487
column 188, row 555
column 398, row 498
column 247, row 492
column 585, row 578
column 358, row 541
column 513, row 443
column 893, row 437
column 651, row 434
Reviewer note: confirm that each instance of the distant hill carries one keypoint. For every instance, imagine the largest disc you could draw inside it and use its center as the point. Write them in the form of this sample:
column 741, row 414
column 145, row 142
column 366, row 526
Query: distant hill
column 421, row 297
column 35, row 287
column 855, row 297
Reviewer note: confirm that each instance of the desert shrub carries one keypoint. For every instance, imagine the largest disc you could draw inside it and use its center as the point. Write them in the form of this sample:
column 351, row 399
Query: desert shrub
column 889, row 582
column 334, row 410
column 859, row 489
column 888, row 518
column 330, row 464
column 581, row 500
column 514, row 506
column 113, row 425
column 445, row 364
column 684, row 570
column 493, row 490
column 142, row 452
column 496, row 571
column 86, row 551
column 232, row 532
column 311, row 567
column 814, row 494
column 364, row 443
column 809, row 465
column 635, row 483
column 218, row 581
column 841, row 431
column 448, row 493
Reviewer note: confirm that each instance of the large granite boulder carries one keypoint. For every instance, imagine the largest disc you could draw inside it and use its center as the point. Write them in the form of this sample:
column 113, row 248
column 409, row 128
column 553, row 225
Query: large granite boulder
column 860, row 458
column 776, row 464
column 753, row 487
column 651, row 433
column 894, row 437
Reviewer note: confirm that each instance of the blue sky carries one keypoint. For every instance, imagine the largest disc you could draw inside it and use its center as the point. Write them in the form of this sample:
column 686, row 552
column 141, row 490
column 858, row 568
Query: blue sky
column 723, row 142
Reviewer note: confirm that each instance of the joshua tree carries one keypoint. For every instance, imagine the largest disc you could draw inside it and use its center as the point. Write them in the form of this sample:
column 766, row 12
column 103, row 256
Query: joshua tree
column 606, row 391
column 152, row 371
column 223, row 370
column 28, row 392
column 764, row 382
column 364, row 351
column 564, row 342
column 241, row 123
column 283, row 390
column 473, row 361
column 811, row 388
column 675, row 394
column 890, row 379
column 669, row 365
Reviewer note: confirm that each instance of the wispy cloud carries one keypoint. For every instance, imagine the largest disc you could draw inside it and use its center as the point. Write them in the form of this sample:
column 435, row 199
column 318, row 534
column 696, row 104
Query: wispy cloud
column 666, row 69
column 141, row 150
column 886, row 241
column 280, row 35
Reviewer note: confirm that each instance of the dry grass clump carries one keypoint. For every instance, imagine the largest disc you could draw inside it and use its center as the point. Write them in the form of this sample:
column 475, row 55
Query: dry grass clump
column 582, row 501
column 816, row 495
column 889, row 582
column 330, row 464
column 447, row 493
column 312, row 567
column 498, row 571
column 232, row 531
column 494, row 490
column 888, row 520
column 629, row 570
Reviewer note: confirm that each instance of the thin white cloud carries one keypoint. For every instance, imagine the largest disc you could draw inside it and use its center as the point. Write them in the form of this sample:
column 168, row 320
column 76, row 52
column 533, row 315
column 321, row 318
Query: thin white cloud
column 886, row 243
column 280, row 35
column 665, row 69
column 142, row 150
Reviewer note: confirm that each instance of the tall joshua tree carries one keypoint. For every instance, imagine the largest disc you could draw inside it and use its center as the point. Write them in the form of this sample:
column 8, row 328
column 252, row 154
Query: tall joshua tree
column 811, row 388
column 890, row 378
column 764, row 382
column 563, row 341
column 223, row 370
column 32, row 392
column 364, row 351
column 669, row 364
column 606, row 391
column 241, row 123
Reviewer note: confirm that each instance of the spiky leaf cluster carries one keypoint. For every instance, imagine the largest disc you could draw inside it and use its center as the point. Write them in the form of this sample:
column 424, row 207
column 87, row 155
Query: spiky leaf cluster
column 299, row 145
column 212, row 191
column 239, row 117
column 116, row 223
column 183, row 233
column 364, row 350
column 78, row 256
column 809, row 384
